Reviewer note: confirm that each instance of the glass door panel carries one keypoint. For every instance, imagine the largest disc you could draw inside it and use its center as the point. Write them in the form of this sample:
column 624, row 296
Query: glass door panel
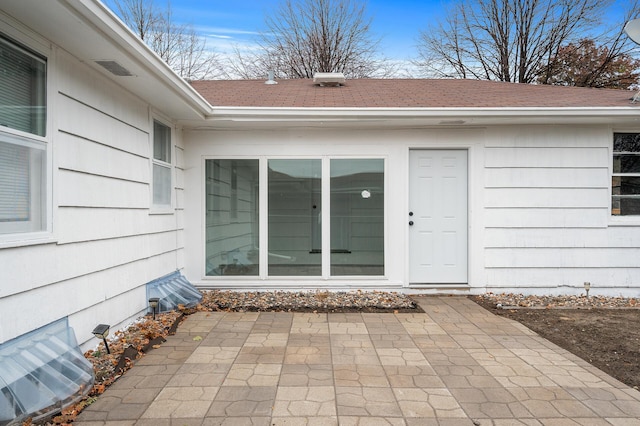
column 357, row 216
column 295, row 217
column 231, row 218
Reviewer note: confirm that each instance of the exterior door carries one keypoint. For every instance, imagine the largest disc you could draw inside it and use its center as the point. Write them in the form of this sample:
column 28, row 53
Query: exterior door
column 437, row 217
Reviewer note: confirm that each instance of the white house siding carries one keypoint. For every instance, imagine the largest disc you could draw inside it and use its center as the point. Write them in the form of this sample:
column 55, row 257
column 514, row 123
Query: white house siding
column 316, row 142
column 548, row 227
column 108, row 245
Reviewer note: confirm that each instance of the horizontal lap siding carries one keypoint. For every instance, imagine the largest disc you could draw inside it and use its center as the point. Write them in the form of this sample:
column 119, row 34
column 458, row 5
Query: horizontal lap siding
column 108, row 244
column 546, row 199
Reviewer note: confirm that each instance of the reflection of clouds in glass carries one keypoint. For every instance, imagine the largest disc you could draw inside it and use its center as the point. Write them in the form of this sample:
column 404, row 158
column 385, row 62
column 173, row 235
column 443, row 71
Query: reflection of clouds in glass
column 347, row 168
column 297, row 169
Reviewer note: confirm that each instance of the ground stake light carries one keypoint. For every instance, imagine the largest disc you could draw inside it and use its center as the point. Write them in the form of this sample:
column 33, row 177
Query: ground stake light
column 153, row 303
column 587, row 287
column 101, row 332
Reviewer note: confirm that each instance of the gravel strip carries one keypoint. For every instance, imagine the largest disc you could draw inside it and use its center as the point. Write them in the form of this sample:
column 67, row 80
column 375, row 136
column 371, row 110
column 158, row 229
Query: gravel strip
column 317, row 301
column 511, row 301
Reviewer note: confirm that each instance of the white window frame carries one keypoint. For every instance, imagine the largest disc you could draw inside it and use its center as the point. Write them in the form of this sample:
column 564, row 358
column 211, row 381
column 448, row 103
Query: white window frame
column 619, row 220
column 16, row 234
column 167, row 208
column 263, row 207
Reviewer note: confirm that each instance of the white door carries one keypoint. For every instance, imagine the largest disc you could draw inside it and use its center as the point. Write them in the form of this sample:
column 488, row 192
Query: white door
column 437, row 217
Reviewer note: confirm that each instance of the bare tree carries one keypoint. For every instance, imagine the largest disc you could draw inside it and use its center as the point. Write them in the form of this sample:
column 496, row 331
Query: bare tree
column 184, row 50
column 309, row 36
column 509, row 40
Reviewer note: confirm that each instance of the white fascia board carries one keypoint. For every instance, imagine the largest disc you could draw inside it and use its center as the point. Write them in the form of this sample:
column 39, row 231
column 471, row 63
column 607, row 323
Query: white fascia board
column 357, row 114
column 102, row 19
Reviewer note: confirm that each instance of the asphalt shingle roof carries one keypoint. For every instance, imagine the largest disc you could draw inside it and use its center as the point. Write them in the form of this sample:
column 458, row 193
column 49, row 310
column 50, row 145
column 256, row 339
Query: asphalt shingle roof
column 406, row 93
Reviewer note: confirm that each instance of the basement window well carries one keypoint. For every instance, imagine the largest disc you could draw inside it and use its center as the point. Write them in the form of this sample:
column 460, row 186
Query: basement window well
column 173, row 290
column 42, row 372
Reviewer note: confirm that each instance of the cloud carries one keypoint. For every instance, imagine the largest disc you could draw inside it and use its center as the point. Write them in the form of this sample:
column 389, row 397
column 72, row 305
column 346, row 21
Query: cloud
column 204, row 29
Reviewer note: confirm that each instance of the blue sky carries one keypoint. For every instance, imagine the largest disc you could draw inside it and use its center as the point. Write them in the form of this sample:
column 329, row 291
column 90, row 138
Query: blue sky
column 397, row 23
column 232, row 22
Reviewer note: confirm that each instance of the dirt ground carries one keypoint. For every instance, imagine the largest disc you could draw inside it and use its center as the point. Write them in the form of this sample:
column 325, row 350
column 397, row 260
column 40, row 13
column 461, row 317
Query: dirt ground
column 606, row 338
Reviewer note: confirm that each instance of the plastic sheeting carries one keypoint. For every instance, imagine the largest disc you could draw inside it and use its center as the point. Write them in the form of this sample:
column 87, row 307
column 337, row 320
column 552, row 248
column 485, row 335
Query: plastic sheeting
column 41, row 372
column 173, row 290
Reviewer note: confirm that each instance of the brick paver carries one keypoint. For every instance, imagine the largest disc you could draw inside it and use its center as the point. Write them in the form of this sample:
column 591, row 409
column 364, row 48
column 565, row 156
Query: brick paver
column 456, row 364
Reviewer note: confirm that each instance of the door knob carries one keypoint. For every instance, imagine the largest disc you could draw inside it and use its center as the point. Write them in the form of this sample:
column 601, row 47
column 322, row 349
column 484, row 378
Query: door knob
column 410, row 223
column 410, row 213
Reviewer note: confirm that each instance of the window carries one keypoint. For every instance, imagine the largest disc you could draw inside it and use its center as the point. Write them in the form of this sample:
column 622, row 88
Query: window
column 23, row 88
column 232, row 220
column 23, row 152
column 357, row 217
column 294, row 212
column 625, row 181
column 295, row 224
column 161, row 165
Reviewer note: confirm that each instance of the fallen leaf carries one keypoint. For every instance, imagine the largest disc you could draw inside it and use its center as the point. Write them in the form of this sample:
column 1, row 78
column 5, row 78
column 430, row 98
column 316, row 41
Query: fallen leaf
column 197, row 338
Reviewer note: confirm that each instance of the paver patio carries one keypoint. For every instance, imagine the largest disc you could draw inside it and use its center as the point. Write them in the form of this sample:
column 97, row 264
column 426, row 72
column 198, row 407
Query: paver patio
column 456, row 364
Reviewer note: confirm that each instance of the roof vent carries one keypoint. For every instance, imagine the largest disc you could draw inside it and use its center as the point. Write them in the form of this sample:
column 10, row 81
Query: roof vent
column 115, row 68
column 271, row 79
column 328, row 79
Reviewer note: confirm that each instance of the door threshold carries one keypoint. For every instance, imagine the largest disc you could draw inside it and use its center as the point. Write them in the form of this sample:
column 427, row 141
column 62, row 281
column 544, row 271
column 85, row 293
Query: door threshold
column 440, row 287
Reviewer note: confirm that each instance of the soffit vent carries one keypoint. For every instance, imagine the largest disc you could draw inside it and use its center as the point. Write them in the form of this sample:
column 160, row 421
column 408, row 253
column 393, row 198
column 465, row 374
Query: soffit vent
column 329, row 79
column 115, row 68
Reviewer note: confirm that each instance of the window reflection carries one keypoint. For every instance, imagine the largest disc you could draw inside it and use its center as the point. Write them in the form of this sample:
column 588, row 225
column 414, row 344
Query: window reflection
column 295, row 233
column 232, row 227
column 357, row 217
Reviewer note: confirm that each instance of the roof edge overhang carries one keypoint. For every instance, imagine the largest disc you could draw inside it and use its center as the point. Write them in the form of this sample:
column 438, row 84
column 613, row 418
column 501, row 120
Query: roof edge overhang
column 100, row 17
column 227, row 117
column 90, row 31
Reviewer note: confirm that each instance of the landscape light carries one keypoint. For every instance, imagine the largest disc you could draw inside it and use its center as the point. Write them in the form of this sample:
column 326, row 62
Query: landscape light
column 101, row 332
column 587, row 287
column 153, row 303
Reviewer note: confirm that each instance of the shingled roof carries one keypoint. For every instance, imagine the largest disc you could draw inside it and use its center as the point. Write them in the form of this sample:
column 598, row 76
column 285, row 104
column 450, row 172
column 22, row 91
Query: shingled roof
column 406, row 93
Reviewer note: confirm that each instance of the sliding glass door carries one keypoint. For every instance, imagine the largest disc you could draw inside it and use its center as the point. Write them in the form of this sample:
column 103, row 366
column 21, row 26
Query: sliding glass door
column 293, row 212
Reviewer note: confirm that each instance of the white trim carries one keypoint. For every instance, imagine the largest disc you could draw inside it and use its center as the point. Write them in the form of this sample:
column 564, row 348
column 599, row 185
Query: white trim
column 360, row 113
column 157, row 208
column 619, row 220
column 325, row 279
column 31, row 40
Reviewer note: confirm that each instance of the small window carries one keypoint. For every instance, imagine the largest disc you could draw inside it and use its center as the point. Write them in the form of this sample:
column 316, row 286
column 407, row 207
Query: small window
column 625, row 181
column 23, row 158
column 161, row 165
column 23, row 88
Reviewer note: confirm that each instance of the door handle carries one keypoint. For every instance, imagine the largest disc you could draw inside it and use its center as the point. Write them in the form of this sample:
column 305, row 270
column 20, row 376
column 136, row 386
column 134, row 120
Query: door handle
column 410, row 223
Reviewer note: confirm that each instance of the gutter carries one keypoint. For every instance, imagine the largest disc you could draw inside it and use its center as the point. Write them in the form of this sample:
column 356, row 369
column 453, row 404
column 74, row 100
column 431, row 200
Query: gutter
column 451, row 116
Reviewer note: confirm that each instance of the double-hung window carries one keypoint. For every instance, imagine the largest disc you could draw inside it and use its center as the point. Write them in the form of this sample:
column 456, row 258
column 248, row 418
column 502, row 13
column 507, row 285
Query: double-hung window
column 625, row 181
column 23, row 149
column 161, row 165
